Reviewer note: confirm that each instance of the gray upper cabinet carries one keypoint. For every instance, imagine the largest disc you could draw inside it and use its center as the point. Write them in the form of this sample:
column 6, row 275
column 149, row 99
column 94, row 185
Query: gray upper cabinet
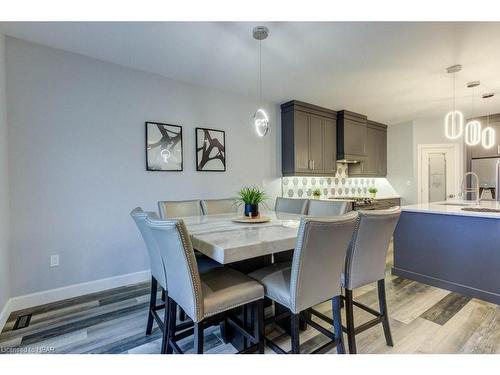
column 375, row 162
column 308, row 136
column 351, row 136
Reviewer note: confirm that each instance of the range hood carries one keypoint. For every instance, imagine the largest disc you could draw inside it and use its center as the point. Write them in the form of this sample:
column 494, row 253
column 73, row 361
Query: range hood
column 351, row 137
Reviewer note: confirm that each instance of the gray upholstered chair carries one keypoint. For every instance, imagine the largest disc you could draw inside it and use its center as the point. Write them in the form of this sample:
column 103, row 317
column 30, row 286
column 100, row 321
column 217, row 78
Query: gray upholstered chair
column 291, row 206
column 202, row 296
column 157, row 270
column 219, row 206
column 158, row 276
column 313, row 276
column 171, row 209
column 365, row 264
column 319, row 208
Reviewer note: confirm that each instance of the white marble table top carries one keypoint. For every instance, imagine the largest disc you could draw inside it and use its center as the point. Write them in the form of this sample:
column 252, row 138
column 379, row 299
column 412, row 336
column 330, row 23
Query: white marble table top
column 225, row 241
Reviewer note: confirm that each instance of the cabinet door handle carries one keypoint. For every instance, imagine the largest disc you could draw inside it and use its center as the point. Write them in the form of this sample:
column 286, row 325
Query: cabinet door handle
column 498, row 149
column 313, row 165
column 309, row 164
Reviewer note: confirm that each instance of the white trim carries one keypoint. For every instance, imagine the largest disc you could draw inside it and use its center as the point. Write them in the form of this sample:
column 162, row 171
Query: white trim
column 4, row 315
column 70, row 291
column 459, row 162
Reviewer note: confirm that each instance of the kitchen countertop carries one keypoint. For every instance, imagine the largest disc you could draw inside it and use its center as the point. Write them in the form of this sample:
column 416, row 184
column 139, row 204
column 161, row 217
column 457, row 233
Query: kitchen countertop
column 454, row 207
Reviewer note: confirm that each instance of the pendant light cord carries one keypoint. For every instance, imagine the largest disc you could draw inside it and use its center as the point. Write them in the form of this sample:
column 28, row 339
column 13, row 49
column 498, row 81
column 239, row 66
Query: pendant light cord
column 260, row 72
column 454, row 96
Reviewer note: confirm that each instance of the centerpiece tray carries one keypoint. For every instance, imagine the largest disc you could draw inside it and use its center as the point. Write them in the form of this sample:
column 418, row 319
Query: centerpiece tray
column 251, row 220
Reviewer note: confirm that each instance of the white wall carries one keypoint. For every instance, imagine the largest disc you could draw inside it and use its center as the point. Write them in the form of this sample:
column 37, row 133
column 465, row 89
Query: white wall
column 400, row 170
column 402, row 143
column 4, row 186
column 77, row 160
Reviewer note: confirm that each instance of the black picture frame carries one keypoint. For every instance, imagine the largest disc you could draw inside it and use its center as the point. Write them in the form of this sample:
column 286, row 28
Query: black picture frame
column 164, row 129
column 201, row 159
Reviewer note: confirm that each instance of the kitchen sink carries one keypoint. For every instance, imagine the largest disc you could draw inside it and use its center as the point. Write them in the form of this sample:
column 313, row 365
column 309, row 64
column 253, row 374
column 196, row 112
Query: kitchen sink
column 481, row 209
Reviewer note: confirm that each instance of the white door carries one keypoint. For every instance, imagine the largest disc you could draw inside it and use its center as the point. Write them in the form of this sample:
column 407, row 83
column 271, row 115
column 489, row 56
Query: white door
column 439, row 169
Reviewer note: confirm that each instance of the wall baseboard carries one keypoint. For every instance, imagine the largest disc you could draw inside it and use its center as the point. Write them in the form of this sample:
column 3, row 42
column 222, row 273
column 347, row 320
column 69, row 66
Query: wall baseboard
column 4, row 314
column 70, row 291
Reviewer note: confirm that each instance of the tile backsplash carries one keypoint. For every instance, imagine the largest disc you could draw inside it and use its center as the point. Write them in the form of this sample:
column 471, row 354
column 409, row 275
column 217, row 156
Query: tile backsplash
column 338, row 186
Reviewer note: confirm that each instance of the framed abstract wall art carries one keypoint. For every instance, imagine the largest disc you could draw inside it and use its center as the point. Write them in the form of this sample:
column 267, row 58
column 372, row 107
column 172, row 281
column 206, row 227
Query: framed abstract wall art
column 210, row 150
column 163, row 147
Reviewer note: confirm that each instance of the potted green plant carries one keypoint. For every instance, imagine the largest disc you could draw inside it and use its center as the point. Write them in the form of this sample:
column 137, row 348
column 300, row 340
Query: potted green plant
column 251, row 197
column 316, row 193
column 373, row 192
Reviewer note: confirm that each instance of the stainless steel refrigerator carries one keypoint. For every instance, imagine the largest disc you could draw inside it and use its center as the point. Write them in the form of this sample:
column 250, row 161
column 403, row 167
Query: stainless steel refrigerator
column 488, row 172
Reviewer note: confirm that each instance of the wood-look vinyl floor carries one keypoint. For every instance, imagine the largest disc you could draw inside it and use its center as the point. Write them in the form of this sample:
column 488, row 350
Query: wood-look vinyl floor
column 423, row 319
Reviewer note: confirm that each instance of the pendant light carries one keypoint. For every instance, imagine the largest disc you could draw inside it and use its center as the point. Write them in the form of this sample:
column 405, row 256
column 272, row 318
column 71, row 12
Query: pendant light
column 454, row 120
column 488, row 133
column 260, row 118
column 473, row 127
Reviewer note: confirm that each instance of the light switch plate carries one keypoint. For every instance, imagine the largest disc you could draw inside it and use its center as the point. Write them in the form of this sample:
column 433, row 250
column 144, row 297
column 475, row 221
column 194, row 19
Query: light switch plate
column 54, row 260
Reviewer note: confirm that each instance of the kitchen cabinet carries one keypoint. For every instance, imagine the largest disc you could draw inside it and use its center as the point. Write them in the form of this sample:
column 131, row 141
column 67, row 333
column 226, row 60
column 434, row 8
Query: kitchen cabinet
column 351, row 136
column 309, row 139
column 374, row 164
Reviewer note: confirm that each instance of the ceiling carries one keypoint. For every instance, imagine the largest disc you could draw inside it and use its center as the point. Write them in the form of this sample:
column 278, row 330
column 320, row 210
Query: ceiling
column 392, row 72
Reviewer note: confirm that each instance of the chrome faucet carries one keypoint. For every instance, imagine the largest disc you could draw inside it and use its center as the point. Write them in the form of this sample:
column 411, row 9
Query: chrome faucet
column 472, row 189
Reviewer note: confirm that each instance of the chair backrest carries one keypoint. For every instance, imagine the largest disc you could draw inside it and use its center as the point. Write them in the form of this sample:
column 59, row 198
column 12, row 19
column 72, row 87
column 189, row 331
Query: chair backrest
column 181, row 268
column 318, row 259
column 171, row 209
column 157, row 269
column 319, row 208
column 291, row 206
column 366, row 257
column 219, row 206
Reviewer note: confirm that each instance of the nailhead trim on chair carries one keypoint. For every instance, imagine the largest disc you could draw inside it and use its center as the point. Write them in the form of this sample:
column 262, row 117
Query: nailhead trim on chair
column 194, row 275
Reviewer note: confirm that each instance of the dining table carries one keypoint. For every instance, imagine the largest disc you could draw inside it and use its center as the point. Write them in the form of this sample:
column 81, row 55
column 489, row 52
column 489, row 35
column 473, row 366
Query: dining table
column 246, row 247
column 222, row 239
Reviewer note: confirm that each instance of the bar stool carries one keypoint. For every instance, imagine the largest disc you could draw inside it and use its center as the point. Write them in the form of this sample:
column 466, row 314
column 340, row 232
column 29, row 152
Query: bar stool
column 157, row 270
column 319, row 208
column 312, row 278
column 204, row 297
column 171, row 209
column 365, row 264
column 291, row 206
column 219, row 206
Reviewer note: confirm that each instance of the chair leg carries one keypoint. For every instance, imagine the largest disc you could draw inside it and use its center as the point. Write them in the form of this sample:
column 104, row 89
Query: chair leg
column 349, row 311
column 182, row 315
column 337, row 324
column 152, row 304
column 294, row 333
column 259, row 306
column 172, row 324
column 163, row 297
column 383, row 310
column 198, row 338
column 166, row 325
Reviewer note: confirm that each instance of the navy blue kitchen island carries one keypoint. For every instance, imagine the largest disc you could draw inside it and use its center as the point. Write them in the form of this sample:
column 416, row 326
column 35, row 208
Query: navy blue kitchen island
column 443, row 245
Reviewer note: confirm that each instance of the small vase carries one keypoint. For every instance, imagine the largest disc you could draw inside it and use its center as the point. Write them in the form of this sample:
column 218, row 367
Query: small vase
column 251, row 210
column 373, row 195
